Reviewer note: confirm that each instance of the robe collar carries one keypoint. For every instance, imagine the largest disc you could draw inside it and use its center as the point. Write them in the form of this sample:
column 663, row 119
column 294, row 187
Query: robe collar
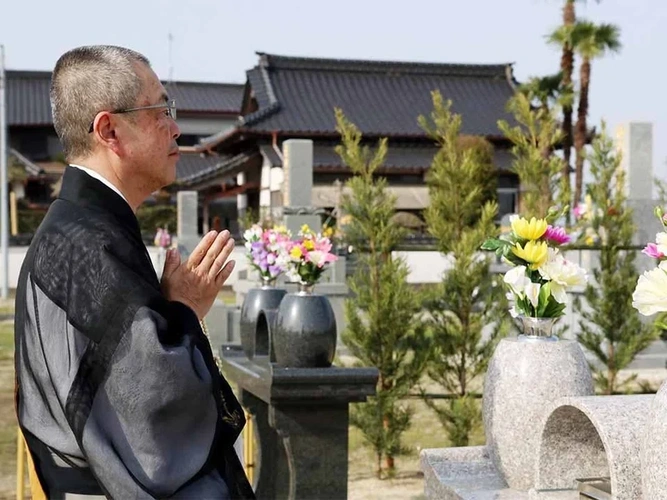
column 81, row 189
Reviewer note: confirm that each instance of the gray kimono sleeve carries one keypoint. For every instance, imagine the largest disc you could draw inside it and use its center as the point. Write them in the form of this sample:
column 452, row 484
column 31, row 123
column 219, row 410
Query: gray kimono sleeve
column 153, row 418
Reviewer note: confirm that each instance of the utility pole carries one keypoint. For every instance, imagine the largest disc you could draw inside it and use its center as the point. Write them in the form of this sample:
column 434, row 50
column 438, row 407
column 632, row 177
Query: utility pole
column 4, row 202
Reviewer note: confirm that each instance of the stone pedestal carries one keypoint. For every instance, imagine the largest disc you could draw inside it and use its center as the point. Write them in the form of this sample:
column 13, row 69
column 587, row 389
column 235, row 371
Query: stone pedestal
column 654, row 448
column 301, row 417
column 586, row 444
column 522, row 380
column 593, row 437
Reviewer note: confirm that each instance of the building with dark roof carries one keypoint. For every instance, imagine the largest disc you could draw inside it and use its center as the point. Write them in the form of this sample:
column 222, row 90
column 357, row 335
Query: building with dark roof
column 203, row 109
column 294, row 97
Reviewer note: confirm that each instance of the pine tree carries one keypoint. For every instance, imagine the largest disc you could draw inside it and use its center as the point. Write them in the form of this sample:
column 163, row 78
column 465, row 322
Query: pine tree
column 468, row 298
column 383, row 326
column 611, row 328
column 536, row 165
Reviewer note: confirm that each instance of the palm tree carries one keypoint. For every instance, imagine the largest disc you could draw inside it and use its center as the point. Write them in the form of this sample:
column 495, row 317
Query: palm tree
column 590, row 41
column 563, row 38
column 543, row 89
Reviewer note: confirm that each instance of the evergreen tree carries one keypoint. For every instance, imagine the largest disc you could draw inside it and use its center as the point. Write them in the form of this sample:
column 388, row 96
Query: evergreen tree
column 468, row 298
column 383, row 324
column 611, row 328
column 536, row 165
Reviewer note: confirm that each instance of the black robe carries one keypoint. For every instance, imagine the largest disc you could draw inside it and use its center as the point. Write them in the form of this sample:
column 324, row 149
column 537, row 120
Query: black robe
column 118, row 393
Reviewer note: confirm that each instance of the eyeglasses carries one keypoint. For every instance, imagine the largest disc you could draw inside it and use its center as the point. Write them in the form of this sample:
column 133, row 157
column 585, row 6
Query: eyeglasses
column 170, row 105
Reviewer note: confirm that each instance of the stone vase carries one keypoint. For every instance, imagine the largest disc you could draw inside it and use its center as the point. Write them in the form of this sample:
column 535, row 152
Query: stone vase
column 653, row 450
column 305, row 330
column 265, row 297
column 525, row 374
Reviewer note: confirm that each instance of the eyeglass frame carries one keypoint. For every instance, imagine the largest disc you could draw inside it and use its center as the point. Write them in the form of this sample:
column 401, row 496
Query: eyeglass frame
column 170, row 104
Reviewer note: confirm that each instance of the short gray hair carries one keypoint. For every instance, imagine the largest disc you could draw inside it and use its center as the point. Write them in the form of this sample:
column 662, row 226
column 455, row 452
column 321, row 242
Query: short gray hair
column 85, row 81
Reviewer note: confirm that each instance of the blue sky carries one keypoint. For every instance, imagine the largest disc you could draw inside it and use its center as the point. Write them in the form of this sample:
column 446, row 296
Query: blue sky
column 216, row 40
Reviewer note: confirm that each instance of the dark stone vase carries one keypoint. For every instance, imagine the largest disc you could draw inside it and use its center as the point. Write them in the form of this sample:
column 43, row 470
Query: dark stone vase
column 265, row 298
column 305, row 331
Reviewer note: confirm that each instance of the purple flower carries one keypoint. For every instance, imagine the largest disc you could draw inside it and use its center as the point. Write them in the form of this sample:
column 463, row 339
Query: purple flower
column 556, row 235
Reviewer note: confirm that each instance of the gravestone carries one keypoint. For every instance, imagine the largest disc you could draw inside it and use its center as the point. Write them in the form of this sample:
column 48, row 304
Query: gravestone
column 297, row 186
column 635, row 143
column 186, row 219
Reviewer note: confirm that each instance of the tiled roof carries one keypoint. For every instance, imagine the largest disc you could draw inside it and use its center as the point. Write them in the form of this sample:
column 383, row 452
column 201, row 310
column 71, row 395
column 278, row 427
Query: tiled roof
column 193, row 168
column 206, row 97
column 404, row 158
column 191, row 164
column 383, row 98
column 28, row 97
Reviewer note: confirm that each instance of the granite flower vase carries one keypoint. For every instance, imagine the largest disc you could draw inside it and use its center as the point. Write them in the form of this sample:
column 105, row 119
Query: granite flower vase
column 653, row 448
column 525, row 375
column 305, row 330
column 265, row 297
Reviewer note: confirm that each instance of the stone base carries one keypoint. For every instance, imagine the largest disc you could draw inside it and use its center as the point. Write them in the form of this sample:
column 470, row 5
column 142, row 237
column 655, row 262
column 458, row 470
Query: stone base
column 468, row 473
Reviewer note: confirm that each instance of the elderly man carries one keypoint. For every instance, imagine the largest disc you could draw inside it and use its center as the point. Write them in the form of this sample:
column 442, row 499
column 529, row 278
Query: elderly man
column 118, row 393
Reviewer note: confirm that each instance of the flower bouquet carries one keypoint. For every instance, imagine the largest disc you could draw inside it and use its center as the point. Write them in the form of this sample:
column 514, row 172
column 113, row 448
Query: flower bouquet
column 267, row 250
column 162, row 238
column 650, row 295
column 540, row 276
column 308, row 256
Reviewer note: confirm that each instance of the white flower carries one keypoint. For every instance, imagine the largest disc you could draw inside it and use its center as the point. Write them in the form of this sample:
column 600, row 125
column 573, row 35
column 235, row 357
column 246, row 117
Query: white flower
column 513, row 312
column 562, row 273
column 517, row 280
column 661, row 242
column 650, row 295
column 316, row 257
column 533, row 293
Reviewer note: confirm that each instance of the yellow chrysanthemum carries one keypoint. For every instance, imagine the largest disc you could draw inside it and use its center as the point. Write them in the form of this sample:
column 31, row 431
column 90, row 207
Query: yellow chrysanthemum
column 533, row 252
column 296, row 253
column 305, row 229
column 529, row 230
column 309, row 245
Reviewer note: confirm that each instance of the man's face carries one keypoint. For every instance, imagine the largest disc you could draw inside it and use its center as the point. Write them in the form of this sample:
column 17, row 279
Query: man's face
column 149, row 136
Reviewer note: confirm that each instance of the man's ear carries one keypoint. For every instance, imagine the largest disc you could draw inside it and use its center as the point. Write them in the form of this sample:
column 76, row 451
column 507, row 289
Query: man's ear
column 105, row 133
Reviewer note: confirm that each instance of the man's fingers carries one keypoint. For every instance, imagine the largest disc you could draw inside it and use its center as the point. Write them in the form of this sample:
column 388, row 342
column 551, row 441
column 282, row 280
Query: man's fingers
column 221, row 258
column 225, row 273
column 213, row 252
column 172, row 262
column 200, row 250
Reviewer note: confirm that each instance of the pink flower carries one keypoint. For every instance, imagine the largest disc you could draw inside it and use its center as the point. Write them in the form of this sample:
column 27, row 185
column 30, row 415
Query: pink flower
column 652, row 251
column 579, row 210
column 557, row 235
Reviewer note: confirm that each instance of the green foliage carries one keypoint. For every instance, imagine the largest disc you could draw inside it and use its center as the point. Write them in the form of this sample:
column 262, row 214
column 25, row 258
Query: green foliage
column 383, row 327
column 15, row 170
column 611, row 328
column 151, row 217
column 538, row 168
column 29, row 220
column 460, row 417
column 468, row 299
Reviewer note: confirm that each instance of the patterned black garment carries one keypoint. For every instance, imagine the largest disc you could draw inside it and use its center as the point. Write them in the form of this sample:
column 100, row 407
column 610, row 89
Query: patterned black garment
column 118, row 393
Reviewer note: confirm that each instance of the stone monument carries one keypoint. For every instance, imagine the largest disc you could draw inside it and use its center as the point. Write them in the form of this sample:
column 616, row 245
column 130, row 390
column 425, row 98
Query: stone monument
column 186, row 222
column 297, row 186
column 635, row 144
